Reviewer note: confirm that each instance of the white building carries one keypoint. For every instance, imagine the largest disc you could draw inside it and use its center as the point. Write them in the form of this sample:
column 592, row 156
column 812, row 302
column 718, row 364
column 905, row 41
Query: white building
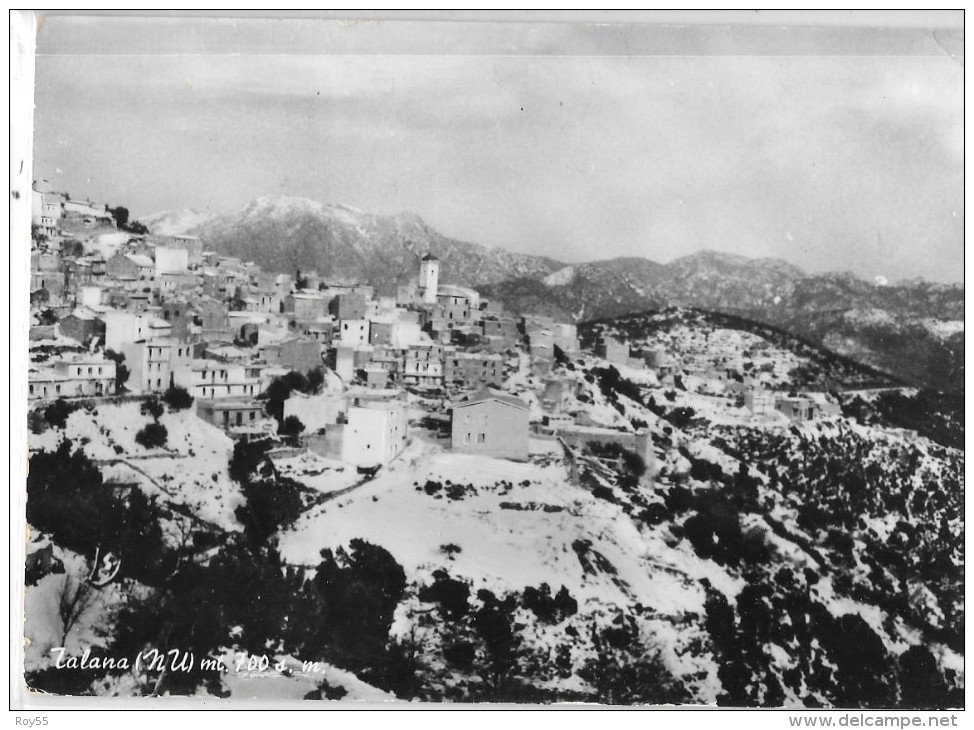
column 93, row 296
column 375, row 433
column 125, row 328
column 429, row 277
column 150, row 364
column 213, row 379
column 354, row 332
column 76, row 374
column 171, row 260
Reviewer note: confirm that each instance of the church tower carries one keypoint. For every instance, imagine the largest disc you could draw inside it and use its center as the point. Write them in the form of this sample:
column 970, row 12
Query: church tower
column 429, row 275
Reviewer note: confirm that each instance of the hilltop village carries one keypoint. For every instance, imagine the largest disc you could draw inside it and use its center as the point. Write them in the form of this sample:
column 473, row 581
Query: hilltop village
column 119, row 312
column 444, row 500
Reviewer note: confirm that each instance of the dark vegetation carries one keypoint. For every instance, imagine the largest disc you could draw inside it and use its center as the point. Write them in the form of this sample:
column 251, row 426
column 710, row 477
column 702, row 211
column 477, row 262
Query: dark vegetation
column 281, row 388
column 936, row 416
column 837, row 486
column 177, row 398
column 153, row 435
column 68, row 499
column 121, row 370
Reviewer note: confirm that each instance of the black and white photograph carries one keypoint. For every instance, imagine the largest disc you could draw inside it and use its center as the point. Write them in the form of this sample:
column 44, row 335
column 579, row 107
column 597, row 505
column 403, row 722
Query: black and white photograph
column 481, row 361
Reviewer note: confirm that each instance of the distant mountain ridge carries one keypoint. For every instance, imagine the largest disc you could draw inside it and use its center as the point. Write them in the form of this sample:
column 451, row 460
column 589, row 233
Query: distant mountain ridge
column 911, row 329
column 286, row 234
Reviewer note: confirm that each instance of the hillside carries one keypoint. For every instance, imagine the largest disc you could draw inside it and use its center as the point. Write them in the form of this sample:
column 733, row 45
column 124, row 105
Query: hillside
column 912, row 330
column 753, row 561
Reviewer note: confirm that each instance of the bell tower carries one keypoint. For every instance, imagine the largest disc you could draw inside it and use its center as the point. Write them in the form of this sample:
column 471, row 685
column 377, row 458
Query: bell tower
column 429, row 275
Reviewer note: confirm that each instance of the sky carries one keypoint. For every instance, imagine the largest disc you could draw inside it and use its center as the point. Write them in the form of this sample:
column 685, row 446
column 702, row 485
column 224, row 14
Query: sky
column 835, row 148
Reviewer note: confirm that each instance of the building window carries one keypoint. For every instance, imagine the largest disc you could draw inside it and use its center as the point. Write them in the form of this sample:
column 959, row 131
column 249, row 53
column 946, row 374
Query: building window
column 481, row 438
column 466, row 438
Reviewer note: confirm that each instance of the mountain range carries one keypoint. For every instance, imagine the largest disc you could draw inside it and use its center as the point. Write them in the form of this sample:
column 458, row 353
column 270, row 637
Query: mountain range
column 912, row 329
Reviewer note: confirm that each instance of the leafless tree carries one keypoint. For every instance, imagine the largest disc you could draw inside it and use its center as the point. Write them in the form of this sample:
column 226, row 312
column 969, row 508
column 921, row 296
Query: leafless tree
column 75, row 597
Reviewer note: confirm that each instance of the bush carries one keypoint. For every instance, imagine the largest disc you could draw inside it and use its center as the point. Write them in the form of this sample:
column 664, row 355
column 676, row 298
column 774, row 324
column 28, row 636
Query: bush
column 350, row 604
column 153, row 436
column 248, row 455
column 654, row 514
column 461, row 655
column 268, row 506
column 177, row 398
column 57, row 413
column 452, row 595
column 281, row 388
column 68, row 499
column 547, row 609
column 121, row 371
column 152, row 407
column 291, row 426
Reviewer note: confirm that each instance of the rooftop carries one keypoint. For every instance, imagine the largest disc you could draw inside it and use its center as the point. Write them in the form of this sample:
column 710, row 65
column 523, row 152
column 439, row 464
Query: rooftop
column 487, row 394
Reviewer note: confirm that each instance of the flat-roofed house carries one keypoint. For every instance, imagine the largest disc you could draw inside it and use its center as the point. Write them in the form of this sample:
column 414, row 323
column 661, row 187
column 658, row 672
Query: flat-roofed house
column 491, row 423
column 375, row 433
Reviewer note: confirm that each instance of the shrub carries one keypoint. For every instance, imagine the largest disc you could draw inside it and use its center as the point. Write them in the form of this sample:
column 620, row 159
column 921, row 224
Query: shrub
column 452, row 595
column 177, row 398
column 152, row 436
column 280, row 390
column 268, row 505
column 68, row 499
column 352, row 600
column 248, row 455
column 460, row 654
column 152, row 407
column 550, row 610
column 291, row 426
column 654, row 514
column 121, row 370
column 57, row 412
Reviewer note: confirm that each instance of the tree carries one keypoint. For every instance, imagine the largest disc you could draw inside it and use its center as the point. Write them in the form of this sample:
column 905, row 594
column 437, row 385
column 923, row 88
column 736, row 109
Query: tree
column 316, row 378
column 242, row 595
column 121, row 371
column 153, row 435
column 248, row 455
column 493, row 623
column 291, row 426
column 121, row 215
column 268, row 505
column 75, row 596
column 921, row 682
column 68, row 499
column 452, row 595
column 280, row 390
column 177, row 398
column 152, row 407
column 57, row 412
column 351, row 603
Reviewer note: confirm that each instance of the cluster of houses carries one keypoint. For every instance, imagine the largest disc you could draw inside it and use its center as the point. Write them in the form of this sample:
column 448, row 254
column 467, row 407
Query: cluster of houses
column 699, row 361
column 175, row 314
column 169, row 312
